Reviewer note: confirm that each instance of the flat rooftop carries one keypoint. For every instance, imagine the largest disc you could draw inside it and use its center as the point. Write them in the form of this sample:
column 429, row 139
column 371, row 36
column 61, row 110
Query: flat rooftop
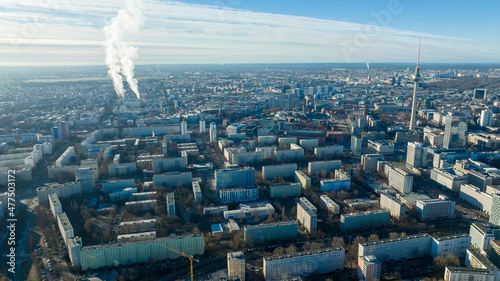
column 118, row 244
column 469, row 270
column 304, row 253
column 266, row 225
column 451, row 237
column 367, row 213
column 394, row 240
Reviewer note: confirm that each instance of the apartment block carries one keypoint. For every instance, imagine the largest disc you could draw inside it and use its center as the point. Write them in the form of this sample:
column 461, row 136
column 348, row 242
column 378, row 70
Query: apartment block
column 303, row 263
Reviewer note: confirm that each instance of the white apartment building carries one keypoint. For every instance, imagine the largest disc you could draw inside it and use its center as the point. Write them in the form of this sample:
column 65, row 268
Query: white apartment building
column 411, row 246
column 236, row 265
column 306, row 214
column 239, row 194
column 400, row 180
column 456, row 245
column 303, row 263
column 435, row 208
column 55, row 205
column 330, row 204
column 468, row 274
column 476, row 198
column 389, row 201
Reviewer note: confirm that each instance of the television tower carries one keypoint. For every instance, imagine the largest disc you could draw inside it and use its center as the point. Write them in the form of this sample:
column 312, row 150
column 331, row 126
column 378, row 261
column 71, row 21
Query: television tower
column 416, row 79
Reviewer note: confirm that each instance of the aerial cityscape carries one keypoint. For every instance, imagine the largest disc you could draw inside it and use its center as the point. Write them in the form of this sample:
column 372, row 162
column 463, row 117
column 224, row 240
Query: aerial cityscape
column 237, row 140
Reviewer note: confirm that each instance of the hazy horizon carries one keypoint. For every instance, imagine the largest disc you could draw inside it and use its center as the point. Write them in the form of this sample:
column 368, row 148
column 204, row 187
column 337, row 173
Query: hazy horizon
column 238, row 32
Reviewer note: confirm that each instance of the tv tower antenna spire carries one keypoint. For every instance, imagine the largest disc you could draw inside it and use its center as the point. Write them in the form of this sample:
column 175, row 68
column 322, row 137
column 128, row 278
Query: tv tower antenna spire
column 418, row 58
column 416, row 79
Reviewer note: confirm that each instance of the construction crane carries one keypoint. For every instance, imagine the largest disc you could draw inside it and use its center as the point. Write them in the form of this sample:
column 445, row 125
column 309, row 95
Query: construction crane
column 187, row 256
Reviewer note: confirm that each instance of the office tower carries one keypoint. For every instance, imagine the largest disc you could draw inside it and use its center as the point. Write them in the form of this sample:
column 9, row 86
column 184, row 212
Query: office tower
column 170, row 198
column 56, row 133
column 213, row 132
column 236, row 265
column 416, row 79
column 356, row 144
column 369, row 268
column 416, row 155
column 494, row 254
column 495, row 210
column 454, row 133
column 183, row 128
column 202, row 126
column 480, row 94
column 64, row 129
column 369, row 161
column 486, row 118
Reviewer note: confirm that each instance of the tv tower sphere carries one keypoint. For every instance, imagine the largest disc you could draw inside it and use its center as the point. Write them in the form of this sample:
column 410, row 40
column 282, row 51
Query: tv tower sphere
column 417, row 77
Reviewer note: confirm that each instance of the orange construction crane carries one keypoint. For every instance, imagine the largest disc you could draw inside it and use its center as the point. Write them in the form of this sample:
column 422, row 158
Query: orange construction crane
column 187, row 256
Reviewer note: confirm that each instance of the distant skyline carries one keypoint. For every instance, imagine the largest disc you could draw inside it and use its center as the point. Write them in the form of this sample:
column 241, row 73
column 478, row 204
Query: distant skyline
column 242, row 31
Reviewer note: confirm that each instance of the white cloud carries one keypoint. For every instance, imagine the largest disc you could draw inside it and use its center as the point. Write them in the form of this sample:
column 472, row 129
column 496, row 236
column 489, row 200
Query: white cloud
column 59, row 32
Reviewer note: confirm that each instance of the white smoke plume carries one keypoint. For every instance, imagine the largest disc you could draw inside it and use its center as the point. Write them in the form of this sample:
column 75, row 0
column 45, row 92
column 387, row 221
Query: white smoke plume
column 119, row 55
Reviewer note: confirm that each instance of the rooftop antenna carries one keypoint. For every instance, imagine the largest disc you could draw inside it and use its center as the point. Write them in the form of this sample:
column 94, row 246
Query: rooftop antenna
column 416, row 79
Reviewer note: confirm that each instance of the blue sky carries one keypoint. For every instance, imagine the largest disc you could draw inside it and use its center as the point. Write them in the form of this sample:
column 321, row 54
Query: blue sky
column 460, row 18
column 70, row 32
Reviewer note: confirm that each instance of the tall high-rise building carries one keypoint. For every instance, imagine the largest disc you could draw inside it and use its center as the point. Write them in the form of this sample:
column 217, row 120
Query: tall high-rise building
column 87, row 179
column 356, row 144
column 495, row 210
column 369, row 268
column 64, row 129
column 307, row 214
column 454, row 133
column 213, row 132
column 480, row 94
column 56, row 133
column 184, row 128
column 170, row 198
column 486, row 118
column 236, row 265
column 202, row 126
column 416, row 155
column 494, row 254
